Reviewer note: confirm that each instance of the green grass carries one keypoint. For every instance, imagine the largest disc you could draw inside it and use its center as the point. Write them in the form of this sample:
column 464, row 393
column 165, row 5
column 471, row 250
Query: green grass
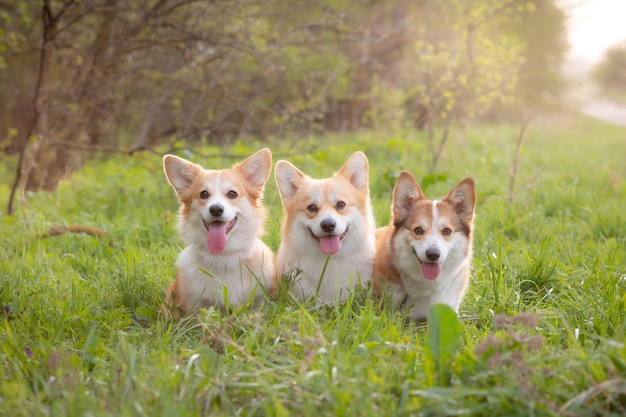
column 542, row 328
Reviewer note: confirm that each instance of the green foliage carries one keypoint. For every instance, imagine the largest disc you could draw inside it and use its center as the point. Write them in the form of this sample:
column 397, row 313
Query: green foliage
column 17, row 22
column 128, row 76
column 467, row 62
column 280, row 68
column 465, row 71
column 541, row 330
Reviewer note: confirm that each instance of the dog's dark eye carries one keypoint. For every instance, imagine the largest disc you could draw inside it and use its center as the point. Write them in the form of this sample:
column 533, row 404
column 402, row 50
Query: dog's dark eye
column 418, row 230
column 204, row 195
column 446, row 231
column 232, row 195
column 340, row 205
column 312, row 208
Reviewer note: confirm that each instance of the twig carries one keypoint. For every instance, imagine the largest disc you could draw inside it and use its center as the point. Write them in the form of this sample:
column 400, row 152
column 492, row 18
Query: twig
column 60, row 230
column 442, row 142
column 172, row 149
column 518, row 146
column 101, row 148
column 615, row 386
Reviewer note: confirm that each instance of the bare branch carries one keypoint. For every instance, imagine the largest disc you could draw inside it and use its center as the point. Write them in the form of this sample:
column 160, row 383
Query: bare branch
column 518, row 146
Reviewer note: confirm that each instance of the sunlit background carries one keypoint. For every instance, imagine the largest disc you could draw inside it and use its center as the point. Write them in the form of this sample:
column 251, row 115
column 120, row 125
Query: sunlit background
column 594, row 26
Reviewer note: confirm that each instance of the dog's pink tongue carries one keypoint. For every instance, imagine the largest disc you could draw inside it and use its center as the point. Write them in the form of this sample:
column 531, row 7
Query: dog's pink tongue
column 217, row 237
column 329, row 244
column 430, row 271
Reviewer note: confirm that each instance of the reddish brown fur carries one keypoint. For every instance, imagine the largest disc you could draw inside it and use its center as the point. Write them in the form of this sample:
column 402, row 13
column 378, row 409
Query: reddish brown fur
column 383, row 263
column 173, row 304
column 298, row 251
column 191, row 195
column 406, row 211
column 339, row 185
column 243, row 179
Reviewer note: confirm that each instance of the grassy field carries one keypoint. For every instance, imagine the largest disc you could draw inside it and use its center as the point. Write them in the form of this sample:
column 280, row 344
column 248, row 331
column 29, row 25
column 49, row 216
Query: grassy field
column 541, row 332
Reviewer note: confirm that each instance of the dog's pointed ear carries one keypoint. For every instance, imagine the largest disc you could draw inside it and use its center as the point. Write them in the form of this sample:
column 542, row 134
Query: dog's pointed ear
column 463, row 198
column 288, row 179
column 406, row 193
column 356, row 170
column 256, row 168
column 180, row 173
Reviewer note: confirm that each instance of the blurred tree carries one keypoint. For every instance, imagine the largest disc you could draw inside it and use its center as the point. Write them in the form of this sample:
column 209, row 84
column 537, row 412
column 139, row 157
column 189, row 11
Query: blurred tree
column 478, row 59
column 122, row 76
column 540, row 28
column 610, row 73
column 18, row 51
column 126, row 75
column 464, row 66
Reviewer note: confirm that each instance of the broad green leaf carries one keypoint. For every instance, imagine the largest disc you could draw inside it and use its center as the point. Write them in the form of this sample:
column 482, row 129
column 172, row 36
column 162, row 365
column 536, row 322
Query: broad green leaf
column 444, row 339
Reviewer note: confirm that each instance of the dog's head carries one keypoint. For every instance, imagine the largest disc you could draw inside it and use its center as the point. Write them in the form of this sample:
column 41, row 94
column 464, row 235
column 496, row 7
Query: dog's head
column 213, row 201
column 325, row 210
column 434, row 230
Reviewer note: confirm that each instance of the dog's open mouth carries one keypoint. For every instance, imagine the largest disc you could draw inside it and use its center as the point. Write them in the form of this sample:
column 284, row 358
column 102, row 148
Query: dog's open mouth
column 330, row 244
column 216, row 238
column 431, row 270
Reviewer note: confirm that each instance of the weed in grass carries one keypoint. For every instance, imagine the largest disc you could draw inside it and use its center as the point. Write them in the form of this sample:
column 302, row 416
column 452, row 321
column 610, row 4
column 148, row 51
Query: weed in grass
column 500, row 293
column 443, row 341
column 538, row 276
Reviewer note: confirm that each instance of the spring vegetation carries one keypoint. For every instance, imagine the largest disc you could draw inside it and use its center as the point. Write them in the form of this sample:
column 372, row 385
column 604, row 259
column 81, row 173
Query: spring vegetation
column 541, row 332
column 94, row 93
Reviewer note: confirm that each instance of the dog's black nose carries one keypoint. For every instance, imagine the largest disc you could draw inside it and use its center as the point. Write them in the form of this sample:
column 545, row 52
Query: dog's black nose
column 328, row 225
column 216, row 210
column 433, row 254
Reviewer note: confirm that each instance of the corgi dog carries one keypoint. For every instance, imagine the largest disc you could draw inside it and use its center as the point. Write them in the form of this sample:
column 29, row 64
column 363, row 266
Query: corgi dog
column 328, row 230
column 221, row 220
column 426, row 252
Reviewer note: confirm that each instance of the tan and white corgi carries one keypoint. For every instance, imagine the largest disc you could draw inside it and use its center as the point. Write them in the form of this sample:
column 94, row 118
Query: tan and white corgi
column 328, row 230
column 221, row 220
column 426, row 252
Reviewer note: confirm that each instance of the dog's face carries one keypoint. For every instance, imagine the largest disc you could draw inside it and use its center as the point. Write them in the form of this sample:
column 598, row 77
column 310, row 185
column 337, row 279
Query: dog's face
column 324, row 212
column 214, row 202
column 435, row 231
